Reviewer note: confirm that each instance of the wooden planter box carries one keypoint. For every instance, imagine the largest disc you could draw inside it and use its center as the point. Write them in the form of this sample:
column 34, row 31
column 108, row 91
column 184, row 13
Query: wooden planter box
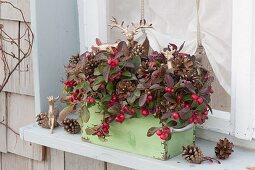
column 131, row 136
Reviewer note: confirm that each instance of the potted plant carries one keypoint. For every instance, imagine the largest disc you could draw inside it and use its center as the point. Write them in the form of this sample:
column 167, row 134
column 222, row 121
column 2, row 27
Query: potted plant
column 133, row 99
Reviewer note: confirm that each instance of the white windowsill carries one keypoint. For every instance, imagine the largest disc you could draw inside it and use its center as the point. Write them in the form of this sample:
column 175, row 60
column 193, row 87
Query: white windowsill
column 61, row 140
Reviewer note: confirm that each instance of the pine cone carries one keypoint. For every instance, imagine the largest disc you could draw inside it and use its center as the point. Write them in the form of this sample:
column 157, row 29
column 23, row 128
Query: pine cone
column 224, row 148
column 43, row 120
column 138, row 50
column 74, row 60
column 164, row 107
column 193, row 154
column 146, row 69
column 183, row 67
column 89, row 68
column 124, row 89
column 71, row 126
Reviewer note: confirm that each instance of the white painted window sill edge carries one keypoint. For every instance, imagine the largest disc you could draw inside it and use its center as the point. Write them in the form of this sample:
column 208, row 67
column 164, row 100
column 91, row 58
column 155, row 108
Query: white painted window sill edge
column 61, row 140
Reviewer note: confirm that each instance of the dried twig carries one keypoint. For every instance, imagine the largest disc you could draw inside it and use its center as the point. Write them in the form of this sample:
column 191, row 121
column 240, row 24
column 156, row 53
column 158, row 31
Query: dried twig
column 22, row 53
column 8, row 127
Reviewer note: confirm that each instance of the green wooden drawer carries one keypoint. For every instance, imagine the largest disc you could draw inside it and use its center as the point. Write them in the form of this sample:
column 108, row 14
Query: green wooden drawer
column 131, row 136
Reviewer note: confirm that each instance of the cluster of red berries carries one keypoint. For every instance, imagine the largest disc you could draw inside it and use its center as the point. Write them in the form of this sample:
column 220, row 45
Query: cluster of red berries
column 112, row 101
column 145, row 112
column 115, row 77
column 90, row 99
column 75, row 96
column 121, row 116
column 149, row 96
column 196, row 98
column 196, row 118
column 103, row 130
column 113, row 62
column 163, row 133
column 69, row 83
column 169, row 90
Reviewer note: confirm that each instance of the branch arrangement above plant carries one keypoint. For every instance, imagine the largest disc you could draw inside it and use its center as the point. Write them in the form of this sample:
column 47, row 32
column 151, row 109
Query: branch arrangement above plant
column 125, row 82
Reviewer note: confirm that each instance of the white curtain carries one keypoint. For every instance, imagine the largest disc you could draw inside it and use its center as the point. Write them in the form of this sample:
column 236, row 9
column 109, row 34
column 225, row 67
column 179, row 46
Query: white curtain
column 175, row 21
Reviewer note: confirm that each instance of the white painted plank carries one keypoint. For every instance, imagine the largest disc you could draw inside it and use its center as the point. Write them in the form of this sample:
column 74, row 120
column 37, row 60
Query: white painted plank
column 116, row 167
column 78, row 162
column 241, row 85
column 73, row 144
column 57, row 39
column 14, row 162
column 57, row 159
column 7, row 12
column 3, row 142
column 20, row 113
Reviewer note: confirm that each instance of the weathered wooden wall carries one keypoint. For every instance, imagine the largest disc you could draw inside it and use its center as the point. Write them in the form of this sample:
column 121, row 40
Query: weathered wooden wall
column 17, row 109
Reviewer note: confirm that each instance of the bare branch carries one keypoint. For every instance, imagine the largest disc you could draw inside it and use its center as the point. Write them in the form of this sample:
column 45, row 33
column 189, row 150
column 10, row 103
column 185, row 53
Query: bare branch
column 16, row 43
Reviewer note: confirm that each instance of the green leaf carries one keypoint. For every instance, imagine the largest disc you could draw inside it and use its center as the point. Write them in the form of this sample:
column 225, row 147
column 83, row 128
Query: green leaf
column 84, row 114
column 166, row 115
column 156, row 87
column 137, row 93
column 99, row 80
column 96, row 87
column 152, row 131
column 186, row 97
column 106, row 98
column 106, row 73
column 127, row 74
column 137, row 62
column 127, row 64
column 131, row 99
column 109, row 87
column 97, row 72
column 171, row 123
column 113, row 109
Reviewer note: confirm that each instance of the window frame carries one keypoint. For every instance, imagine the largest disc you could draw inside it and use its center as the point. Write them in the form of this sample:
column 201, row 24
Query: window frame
column 93, row 23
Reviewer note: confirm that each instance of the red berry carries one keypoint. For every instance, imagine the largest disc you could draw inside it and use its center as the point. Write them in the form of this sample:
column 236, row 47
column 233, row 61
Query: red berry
column 195, row 121
column 172, row 90
column 99, row 134
column 159, row 132
column 187, row 106
column 111, row 78
column 179, row 97
column 71, row 99
column 150, row 98
column 115, row 51
column 203, row 120
column 91, row 100
column 106, row 125
column 125, row 108
column 194, row 97
column 195, row 113
column 132, row 111
column 191, row 120
column 117, row 119
column 145, row 112
column 200, row 100
column 163, row 137
column 176, row 116
column 166, row 130
column 167, row 89
column 114, row 98
column 206, row 112
column 211, row 90
column 102, row 86
column 183, row 105
column 122, row 116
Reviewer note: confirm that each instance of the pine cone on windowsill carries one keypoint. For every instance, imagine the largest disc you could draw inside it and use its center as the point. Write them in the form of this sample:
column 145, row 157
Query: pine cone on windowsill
column 224, row 148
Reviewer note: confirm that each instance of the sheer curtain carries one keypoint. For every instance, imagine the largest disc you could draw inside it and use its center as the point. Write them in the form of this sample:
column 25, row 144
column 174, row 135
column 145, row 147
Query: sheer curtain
column 175, row 21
